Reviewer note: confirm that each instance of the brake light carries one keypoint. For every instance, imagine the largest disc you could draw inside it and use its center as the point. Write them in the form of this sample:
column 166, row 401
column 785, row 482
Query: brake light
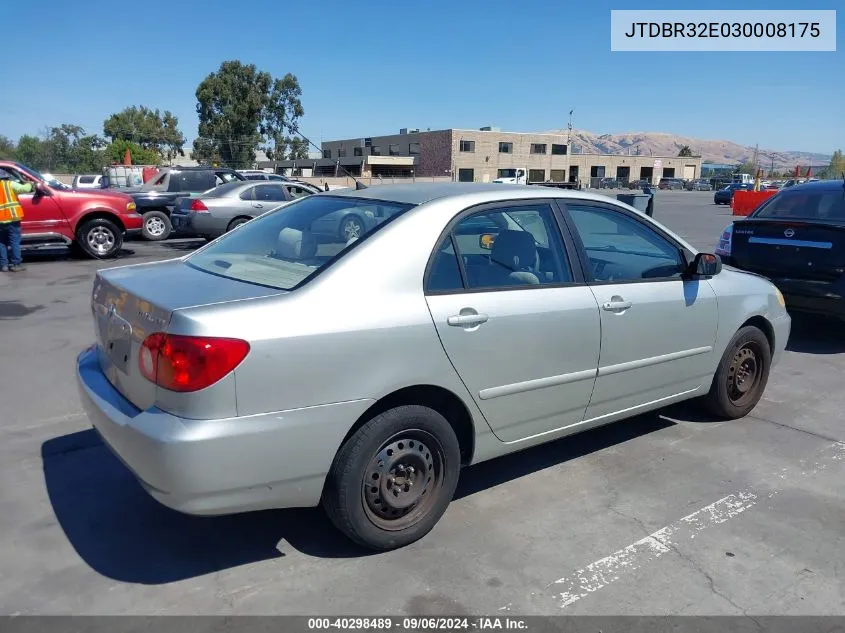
column 724, row 247
column 198, row 206
column 189, row 363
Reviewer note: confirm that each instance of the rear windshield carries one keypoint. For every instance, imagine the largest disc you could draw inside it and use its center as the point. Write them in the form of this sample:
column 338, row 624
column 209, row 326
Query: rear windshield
column 805, row 205
column 283, row 248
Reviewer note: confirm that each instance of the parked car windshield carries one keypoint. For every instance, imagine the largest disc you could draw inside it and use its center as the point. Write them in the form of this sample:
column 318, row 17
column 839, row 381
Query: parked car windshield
column 284, row 247
column 805, row 205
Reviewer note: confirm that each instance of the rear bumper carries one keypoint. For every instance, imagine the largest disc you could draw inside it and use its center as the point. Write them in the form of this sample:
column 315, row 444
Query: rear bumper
column 821, row 297
column 202, row 224
column 209, row 467
column 804, row 295
column 181, row 223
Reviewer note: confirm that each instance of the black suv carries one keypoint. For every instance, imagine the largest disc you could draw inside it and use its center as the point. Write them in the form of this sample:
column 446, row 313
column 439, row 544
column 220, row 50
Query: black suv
column 156, row 198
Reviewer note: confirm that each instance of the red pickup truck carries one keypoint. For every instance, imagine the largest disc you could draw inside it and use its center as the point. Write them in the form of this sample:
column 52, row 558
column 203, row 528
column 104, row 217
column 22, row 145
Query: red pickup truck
column 56, row 215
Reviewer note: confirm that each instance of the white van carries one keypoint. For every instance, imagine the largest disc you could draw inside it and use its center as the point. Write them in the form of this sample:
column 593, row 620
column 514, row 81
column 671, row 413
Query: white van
column 87, row 181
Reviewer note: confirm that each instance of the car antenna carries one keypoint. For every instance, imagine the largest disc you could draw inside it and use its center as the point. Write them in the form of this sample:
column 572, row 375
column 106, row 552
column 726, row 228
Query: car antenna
column 358, row 185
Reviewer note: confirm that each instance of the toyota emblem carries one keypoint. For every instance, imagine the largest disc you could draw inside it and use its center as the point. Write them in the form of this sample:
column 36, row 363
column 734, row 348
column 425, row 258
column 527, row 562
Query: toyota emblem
column 789, row 233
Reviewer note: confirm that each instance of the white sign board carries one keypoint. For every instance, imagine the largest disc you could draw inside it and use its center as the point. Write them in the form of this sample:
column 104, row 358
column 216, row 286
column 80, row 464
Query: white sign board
column 658, row 163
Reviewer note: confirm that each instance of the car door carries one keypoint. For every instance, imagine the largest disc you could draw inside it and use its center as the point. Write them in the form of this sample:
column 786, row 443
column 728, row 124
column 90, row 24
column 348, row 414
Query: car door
column 267, row 196
column 658, row 328
column 515, row 318
column 42, row 214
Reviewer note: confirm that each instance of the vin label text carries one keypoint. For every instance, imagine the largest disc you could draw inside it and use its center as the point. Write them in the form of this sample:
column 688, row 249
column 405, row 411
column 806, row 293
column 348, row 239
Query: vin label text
column 723, row 30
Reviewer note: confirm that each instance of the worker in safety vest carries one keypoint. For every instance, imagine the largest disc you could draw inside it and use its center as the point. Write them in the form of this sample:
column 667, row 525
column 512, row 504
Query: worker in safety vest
column 11, row 214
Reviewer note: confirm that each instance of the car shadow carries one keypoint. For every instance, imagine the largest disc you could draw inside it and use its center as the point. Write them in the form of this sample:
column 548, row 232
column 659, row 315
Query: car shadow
column 184, row 244
column 812, row 334
column 63, row 254
column 123, row 533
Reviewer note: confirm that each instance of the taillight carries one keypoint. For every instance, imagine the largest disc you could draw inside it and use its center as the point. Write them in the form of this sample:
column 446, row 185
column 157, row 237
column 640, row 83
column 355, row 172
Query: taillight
column 198, row 206
column 189, row 363
column 724, row 247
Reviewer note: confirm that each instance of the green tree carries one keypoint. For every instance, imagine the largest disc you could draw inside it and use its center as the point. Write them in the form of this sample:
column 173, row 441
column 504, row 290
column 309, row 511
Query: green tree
column 747, row 168
column 241, row 108
column 297, row 148
column 116, row 150
column 685, row 151
column 148, row 128
column 7, row 148
column 30, row 151
column 837, row 165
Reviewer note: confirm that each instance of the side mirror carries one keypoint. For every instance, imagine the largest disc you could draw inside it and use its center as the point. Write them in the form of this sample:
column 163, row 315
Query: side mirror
column 42, row 190
column 704, row 266
column 485, row 241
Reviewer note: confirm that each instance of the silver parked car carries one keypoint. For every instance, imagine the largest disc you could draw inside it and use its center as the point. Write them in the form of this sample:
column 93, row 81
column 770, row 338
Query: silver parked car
column 221, row 209
column 275, row 370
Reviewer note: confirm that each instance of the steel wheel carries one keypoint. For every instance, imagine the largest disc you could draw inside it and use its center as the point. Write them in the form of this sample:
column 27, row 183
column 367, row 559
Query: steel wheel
column 402, row 481
column 744, row 374
column 352, row 227
column 155, row 226
column 101, row 240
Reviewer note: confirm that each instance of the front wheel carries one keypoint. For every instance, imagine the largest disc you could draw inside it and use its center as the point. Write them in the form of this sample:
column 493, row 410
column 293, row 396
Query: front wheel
column 99, row 238
column 394, row 478
column 352, row 227
column 157, row 226
column 742, row 375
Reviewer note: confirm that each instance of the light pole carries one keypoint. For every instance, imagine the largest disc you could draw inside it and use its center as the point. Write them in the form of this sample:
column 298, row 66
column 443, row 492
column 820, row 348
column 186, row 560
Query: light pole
column 569, row 148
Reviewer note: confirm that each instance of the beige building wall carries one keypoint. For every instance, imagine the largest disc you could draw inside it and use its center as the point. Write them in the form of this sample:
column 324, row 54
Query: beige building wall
column 438, row 153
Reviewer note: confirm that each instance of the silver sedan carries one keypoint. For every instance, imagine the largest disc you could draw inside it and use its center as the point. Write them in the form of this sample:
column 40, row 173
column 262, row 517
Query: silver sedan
column 273, row 369
column 221, row 209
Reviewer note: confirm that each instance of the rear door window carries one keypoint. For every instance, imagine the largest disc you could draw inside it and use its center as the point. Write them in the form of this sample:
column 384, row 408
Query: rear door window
column 503, row 247
column 269, row 193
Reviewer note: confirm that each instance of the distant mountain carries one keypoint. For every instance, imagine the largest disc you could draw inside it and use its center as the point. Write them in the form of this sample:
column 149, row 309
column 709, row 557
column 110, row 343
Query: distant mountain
column 662, row 144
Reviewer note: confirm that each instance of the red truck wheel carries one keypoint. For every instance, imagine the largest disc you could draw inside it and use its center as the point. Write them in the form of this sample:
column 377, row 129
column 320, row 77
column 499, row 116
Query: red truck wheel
column 99, row 238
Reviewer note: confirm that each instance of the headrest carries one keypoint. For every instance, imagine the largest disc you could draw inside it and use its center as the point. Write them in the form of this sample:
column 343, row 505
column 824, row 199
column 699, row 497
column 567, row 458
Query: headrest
column 516, row 250
column 296, row 245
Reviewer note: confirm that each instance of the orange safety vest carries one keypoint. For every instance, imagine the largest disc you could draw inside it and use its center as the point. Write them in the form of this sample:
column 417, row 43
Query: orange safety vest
column 10, row 207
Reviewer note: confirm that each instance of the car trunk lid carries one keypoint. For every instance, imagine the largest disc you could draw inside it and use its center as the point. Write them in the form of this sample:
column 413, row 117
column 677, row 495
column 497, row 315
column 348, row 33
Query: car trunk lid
column 131, row 302
column 793, row 248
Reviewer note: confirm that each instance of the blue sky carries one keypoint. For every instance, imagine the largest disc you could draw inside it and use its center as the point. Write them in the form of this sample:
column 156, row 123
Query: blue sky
column 371, row 67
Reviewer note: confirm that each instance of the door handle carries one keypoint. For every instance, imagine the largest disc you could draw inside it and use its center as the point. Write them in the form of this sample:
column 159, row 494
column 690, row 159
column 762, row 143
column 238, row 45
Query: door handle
column 467, row 320
column 616, row 304
column 257, row 205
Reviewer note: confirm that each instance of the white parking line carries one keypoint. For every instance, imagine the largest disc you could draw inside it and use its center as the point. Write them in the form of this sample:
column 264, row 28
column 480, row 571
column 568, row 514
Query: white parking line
column 607, row 570
column 610, row 568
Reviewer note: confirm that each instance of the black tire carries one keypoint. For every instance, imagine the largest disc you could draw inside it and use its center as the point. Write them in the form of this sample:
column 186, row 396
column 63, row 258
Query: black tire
column 237, row 222
column 344, row 232
column 742, row 375
column 409, row 445
column 99, row 238
column 156, row 226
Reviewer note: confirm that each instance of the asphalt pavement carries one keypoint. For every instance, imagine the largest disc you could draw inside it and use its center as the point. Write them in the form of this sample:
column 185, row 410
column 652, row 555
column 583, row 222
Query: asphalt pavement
column 666, row 513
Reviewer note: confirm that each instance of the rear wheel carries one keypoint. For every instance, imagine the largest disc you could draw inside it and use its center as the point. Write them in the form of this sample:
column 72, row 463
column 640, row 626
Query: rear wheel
column 99, row 238
column 394, row 478
column 236, row 223
column 157, row 226
column 742, row 375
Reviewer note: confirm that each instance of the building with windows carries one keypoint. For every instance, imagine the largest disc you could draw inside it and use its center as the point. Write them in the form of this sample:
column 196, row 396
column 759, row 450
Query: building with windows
column 482, row 155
